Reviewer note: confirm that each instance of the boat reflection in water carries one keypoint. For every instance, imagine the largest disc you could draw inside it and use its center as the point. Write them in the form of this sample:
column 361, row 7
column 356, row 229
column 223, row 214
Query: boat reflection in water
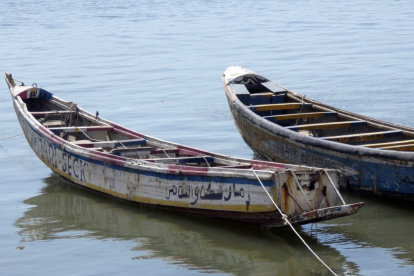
column 63, row 211
column 378, row 241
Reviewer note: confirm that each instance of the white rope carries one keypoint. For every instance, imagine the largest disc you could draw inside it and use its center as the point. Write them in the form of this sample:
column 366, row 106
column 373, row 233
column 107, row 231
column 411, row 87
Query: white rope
column 122, row 144
column 285, row 218
column 206, row 161
column 84, row 133
column 333, row 185
column 165, row 153
column 11, row 136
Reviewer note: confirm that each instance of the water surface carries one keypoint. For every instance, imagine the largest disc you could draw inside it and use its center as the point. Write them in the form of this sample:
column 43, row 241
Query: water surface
column 155, row 67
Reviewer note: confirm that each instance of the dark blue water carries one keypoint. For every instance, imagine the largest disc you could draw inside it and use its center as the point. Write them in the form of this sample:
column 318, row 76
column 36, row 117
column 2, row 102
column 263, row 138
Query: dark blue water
column 155, row 67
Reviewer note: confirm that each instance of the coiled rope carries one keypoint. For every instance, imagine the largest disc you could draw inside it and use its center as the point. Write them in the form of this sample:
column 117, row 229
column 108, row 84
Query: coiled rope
column 11, row 136
column 285, row 218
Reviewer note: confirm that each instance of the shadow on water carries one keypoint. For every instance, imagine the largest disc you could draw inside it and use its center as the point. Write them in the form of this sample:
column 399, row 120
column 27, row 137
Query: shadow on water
column 63, row 211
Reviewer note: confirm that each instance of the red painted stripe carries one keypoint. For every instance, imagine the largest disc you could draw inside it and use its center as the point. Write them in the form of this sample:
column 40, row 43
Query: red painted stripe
column 177, row 169
column 23, row 95
column 127, row 134
column 124, row 130
column 193, row 151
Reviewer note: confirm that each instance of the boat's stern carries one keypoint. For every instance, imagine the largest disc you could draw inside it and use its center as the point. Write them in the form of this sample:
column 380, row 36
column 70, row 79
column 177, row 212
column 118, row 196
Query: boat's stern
column 327, row 213
column 300, row 190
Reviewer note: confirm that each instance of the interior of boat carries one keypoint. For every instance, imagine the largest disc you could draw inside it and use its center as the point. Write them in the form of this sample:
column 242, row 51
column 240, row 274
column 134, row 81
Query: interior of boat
column 81, row 129
column 275, row 104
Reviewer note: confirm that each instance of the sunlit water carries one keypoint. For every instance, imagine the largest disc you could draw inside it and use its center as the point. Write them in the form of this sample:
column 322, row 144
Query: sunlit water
column 155, row 67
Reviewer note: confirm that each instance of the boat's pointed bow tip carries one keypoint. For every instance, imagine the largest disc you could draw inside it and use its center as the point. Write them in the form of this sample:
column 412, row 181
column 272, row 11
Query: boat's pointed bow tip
column 235, row 71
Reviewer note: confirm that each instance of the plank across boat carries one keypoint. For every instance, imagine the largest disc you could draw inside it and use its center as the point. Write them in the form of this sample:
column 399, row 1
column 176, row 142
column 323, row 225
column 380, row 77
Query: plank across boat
column 95, row 153
column 284, row 126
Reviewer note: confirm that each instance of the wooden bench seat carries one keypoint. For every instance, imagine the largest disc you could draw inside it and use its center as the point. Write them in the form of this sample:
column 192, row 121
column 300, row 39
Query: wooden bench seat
column 143, row 151
column 80, row 129
column 177, row 160
column 390, row 144
column 299, row 116
column 281, row 106
column 328, row 125
column 363, row 136
column 408, row 147
column 110, row 144
column 50, row 113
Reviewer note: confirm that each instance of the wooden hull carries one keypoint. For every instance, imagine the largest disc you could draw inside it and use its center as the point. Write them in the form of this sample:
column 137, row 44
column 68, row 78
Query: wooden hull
column 220, row 192
column 371, row 171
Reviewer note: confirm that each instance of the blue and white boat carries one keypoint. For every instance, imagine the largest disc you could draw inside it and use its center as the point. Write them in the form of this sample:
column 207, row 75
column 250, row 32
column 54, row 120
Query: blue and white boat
column 281, row 125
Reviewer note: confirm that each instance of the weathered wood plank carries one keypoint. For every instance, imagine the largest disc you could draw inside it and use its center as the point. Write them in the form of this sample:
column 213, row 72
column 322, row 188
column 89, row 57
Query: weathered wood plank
column 328, row 125
column 50, row 113
column 282, row 106
column 363, row 136
column 196, row 159
column 264, row 94
column 380, row 145
column 111, row 144
column 409, row 147
column 300, row 115
column 79, row 129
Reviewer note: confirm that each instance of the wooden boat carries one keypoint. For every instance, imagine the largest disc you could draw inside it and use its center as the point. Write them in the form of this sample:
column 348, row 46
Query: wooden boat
column 281, row 125
column 92, row 152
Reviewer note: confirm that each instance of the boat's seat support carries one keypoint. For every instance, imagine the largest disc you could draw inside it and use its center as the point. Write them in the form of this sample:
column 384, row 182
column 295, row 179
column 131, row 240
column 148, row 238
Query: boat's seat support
column 363, row 136
column 81, row 129
column 299, row 116
column 328, row 125
column 282, row 106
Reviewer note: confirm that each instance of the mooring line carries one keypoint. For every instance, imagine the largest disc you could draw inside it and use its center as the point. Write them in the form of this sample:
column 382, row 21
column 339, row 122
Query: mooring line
column 285, row 218
column 11, row 136
column 333, row 185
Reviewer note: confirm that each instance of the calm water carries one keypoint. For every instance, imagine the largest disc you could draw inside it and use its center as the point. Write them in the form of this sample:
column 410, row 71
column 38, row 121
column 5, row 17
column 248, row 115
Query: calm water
column 155, row 66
